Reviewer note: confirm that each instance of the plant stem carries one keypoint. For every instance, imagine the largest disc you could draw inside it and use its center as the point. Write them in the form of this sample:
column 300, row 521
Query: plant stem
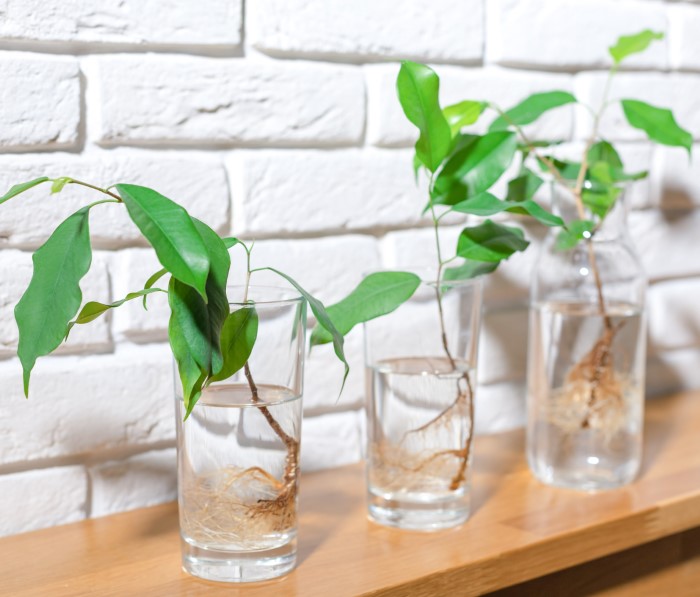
column 96, row 188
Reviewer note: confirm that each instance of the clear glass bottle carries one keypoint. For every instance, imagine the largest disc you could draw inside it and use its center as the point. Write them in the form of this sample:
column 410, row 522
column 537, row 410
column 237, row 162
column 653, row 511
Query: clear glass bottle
column 586, row 358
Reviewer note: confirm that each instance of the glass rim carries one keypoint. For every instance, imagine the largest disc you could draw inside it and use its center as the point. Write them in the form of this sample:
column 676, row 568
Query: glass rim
column 295, row 297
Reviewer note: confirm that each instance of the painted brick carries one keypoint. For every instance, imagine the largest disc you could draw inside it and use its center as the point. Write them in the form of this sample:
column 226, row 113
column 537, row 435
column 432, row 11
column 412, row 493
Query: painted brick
column 283, row 192
column 184, row 100
column 331, row 440
column 565, row 34
column 387, row 126
column 673, row 371
column 40, row 101
column 444, row 31
column 503, row 346
column 80, row 405
column 678, row 179
column 676, row 91
column 165, row 22
column 656, row 233
column 15, row 273
column 43, row 498
column 674, row 318
column 499, row 407
column 137, row 482
column 195, row 181
column 684, row 47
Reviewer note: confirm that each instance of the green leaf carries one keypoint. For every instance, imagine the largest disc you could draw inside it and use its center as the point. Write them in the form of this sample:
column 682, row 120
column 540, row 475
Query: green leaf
column 323, row 319
column 53, row 296
column 567, row 170
column 200, row 322
column 474, row 168
column 601, row 199
column 237, row 340
column 94, row 309
column 59, row 183
column 231, row 242
column 171, row 232
column 576, row 230
column 378, row 294
column 20, row 188
column 524, row 186
column 633, row 44
column 602, row 151
column 658, row 123
column 470, row 269
column 487, row 204
column 463, row 114
column 418, row 89
column 531, row 108
column 490, row 242
column 191, row 375
column 151, row 281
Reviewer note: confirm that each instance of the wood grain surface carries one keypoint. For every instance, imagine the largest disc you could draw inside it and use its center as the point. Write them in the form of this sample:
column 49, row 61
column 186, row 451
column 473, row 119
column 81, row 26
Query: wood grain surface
column 519, row 530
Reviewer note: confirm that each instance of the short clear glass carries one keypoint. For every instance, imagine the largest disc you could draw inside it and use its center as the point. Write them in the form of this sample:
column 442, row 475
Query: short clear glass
column 421, row 377
column 238, row 453
column 586, row 359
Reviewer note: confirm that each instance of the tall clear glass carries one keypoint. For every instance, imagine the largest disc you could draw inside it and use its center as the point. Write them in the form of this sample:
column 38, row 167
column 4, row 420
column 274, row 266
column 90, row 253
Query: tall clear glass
column 421, row 377
column 238, row 452
column 586, row 360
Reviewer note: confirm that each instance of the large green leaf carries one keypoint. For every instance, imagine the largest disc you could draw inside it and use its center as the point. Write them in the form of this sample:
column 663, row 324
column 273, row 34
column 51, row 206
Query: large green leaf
column 200, row 322
column 633, row 44
column 658, row 123
column 486, row 204
column 418, row 89
column 475, row 167
column 94, row 309
column 524, row 186
column 378, row 294
column 237, row 340
column 470, row 269
column 20, row 188
column 191, row 374
column 490, row 242
column 463, row 114
column 531, row 108
column 171, row 232
column 323, row 319
column 53, row 296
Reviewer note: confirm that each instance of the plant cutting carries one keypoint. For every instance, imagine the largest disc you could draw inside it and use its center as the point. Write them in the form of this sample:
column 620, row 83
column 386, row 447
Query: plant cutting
column 587, row 329
column 421, row 380
column 238, row 451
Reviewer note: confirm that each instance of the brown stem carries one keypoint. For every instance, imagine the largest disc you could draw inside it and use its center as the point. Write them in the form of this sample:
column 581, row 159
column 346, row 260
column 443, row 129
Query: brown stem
column 96, row 188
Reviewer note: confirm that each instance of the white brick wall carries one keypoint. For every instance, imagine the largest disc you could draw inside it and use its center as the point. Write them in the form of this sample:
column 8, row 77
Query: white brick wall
column 278, row 121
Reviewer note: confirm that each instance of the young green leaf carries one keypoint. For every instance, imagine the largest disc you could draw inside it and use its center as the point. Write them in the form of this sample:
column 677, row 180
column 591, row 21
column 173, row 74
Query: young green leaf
column 470, row 269
column 463, row 114
column 603, row 151
column 323, row 319
column 53, row 296
column 378, row 294
column 531, row 108
column 237, row 340
column 58, row 184
column 20, row 188
column 418, row 89
column 474, row 168
column 633, row 44
column 487, row 204
column 600, row 199
column 658, row 123
column 231, row 242
column 575, row 231
column 94, row 309
column 171, row 232
column 567, row 170
column 490, row 242
column 524, row 186
column 200, row 322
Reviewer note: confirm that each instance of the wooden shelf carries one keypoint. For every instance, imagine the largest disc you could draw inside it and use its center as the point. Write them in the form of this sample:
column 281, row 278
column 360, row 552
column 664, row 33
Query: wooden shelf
column 520, row 530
